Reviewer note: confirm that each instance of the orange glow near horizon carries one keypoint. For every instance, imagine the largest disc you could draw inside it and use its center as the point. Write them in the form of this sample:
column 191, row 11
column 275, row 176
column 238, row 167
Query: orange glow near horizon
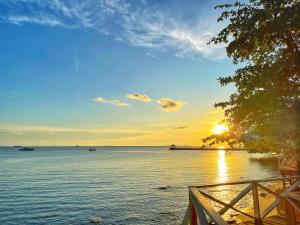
column 186, row 129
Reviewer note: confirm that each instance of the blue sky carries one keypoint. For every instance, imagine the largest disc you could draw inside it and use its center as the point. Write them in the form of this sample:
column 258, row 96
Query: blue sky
column 109, row 72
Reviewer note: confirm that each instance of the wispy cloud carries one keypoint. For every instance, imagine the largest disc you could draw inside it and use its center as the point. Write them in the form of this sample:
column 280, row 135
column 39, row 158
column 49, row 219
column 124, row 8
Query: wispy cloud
column 170, row 105
column 180, row 128
column 139, row 97
column 137, row 23
column 110, row 101
column 46, row 129
column 36, row 20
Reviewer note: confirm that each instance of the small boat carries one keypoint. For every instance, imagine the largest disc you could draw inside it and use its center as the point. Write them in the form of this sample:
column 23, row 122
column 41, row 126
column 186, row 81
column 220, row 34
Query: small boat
column 26, row 149
column 92, row 149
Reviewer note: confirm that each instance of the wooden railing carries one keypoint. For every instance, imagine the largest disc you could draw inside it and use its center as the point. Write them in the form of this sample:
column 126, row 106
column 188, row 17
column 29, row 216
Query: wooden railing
column 201, row 211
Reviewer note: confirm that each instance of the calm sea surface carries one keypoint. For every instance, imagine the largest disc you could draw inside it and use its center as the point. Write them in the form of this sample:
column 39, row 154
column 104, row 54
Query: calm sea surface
column 120, row 185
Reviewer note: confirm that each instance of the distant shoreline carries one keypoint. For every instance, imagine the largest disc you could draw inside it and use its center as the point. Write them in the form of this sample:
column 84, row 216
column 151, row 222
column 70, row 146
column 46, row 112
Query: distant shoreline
column 86, row 146
column 197, row 148
column 173, row 148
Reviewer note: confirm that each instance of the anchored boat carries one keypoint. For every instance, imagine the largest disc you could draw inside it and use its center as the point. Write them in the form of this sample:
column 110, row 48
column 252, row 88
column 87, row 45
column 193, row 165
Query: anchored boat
column 26, row 149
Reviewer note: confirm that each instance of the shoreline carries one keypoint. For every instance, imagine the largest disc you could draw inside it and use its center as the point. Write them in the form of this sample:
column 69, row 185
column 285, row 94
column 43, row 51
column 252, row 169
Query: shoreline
column 205, row 149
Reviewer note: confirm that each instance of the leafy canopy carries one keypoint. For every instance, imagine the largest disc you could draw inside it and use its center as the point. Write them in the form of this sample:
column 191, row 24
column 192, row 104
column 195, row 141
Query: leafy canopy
column 264, row 112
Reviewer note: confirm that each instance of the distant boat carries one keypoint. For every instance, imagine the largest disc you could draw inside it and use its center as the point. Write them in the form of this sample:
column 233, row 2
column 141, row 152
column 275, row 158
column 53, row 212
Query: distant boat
column 92, row 149
column 26, row 149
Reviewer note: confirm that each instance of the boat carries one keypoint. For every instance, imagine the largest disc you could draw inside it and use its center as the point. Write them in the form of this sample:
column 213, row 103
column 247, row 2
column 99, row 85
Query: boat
column 92, row 149
column 26, row 149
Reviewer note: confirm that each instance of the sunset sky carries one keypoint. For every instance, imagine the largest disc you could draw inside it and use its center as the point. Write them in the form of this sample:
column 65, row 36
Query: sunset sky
column 109, row 72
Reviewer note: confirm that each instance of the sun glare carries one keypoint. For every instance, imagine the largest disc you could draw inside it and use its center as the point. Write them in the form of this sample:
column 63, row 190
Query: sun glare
column 219, row 129
column 222, row 166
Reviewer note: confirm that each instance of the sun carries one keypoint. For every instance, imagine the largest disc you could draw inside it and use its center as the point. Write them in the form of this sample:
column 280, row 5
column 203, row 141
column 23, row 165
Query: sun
column 219, row 129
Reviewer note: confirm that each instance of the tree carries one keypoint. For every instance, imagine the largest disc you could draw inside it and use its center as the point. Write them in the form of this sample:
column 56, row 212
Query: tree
column 264, row 112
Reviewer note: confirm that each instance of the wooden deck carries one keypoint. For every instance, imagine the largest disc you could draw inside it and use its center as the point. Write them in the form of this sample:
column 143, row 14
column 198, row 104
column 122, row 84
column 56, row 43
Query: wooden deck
column 200, row 209
column 272, row 220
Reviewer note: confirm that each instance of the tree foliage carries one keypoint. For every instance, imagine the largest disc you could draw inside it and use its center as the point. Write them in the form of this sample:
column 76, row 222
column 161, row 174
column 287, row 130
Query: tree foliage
column 264, row 112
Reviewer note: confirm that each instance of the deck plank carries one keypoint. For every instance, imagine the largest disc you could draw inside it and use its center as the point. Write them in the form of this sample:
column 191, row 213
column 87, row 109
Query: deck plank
column 271, row 220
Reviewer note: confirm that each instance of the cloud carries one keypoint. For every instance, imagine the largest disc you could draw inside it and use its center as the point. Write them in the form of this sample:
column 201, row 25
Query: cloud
column 45, row 129
column 179, row 128
column 166, row 104
column 137, row 23
column 170, row 105
column 114, row 102
column 35, row 20
column 139, row 97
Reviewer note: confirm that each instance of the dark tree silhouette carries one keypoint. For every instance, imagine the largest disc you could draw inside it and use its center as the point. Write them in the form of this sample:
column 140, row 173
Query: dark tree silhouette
column 264, row 112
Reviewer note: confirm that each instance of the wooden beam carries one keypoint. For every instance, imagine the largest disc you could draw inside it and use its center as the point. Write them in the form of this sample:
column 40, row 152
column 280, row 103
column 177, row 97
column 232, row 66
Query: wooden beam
column 200, row 203
column 256, row 204
column 192, row 212
column 225, row 204
column 284, row 194
column 271, row 207
column 198, row 210
column 290, row 214
column 236, row 199
column 249, row 181
column 267, row 189
column 186, row 217
column 290, row 201
column 295, row 196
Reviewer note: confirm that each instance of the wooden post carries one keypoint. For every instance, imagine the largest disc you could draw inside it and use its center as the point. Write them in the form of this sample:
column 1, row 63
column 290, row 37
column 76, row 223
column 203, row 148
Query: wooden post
column 290, row 214
column 256, row 205
column 192, row 212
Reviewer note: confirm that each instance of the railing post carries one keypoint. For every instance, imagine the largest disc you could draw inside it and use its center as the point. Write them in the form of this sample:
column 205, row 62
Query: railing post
column 192, row 212
column 256, row 205
column 290, row 214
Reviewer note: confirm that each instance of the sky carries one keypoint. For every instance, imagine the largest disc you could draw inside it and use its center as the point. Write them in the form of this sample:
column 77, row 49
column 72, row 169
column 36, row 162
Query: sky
column 110, row 72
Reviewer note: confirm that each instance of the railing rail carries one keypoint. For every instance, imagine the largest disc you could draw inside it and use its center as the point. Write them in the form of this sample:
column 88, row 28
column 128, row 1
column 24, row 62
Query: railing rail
column 250, row 181
column 200, row 210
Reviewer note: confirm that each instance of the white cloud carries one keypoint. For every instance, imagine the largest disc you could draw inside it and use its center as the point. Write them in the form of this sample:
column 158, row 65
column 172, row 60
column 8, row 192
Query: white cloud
column 118, row 103
column 139, row 97
column 100, row 100
column 62, row 7
column 113, row 102
column 166, row 104
column 138, row 24
column 170, row 105
column 37, row 20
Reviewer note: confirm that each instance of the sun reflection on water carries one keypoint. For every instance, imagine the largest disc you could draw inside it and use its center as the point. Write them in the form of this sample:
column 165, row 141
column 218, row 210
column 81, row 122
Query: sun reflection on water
column 222, row 167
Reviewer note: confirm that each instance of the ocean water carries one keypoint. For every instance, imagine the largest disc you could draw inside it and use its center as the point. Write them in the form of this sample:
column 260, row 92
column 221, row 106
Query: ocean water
column 119, row 185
